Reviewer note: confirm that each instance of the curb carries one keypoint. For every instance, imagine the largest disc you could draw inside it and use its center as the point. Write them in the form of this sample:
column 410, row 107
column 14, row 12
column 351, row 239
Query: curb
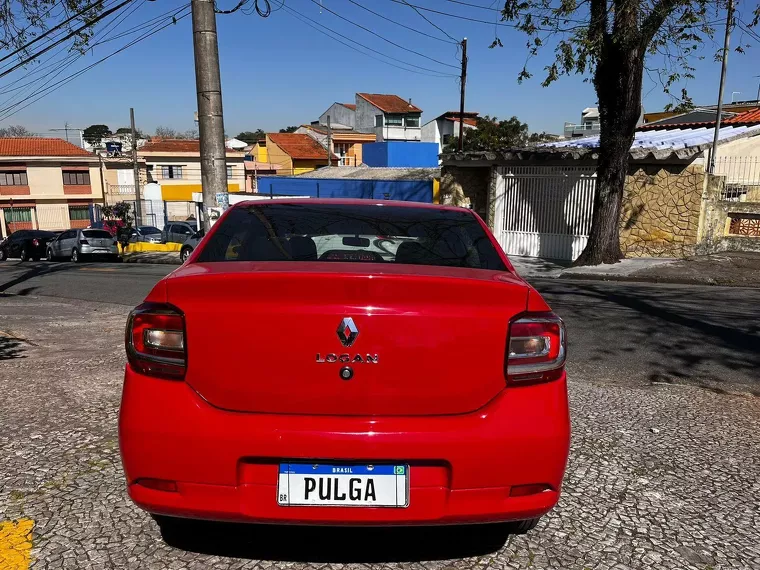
column 150, row 260
column 652, row 279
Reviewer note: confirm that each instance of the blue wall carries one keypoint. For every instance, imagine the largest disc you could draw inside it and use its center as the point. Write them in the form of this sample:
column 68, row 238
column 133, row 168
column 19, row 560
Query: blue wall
column 401, row 154
column 406, row 190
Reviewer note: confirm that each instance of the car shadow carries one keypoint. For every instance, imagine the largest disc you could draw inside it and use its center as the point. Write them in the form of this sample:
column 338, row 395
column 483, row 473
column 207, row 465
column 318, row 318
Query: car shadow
column 334, row 544
column 11, row 348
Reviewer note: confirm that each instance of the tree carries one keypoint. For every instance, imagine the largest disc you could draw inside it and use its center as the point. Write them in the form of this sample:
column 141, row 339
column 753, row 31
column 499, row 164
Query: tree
column 492, row 134
column 169, row 133
column 96, row 133
column 290, row 129
column 15, row 131
column 613, row 42
column 251, row 137
column 118, row 219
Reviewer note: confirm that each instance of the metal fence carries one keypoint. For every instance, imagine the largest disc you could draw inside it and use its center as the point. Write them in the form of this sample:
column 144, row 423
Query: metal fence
column 742, row 176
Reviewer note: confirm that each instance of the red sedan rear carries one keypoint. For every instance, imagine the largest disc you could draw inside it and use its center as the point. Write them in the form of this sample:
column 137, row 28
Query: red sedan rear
column 345, row 362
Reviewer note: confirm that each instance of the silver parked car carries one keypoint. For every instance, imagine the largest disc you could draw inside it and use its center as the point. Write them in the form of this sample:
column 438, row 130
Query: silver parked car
column 79, row 244
column 148, row 234
column 179, row 232
column 190, row 244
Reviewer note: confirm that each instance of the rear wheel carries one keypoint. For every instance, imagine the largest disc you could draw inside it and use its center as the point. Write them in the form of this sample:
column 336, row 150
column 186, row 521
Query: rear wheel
column 50, row 256
column 521, row 527
column 3, row 255
column 24, row 255
column 184, row 253
column 75, row 257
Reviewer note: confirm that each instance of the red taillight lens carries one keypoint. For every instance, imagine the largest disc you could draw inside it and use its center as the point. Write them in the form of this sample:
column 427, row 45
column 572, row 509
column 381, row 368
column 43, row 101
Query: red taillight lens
column 35, row 242
column 155, row 341
column 536, row 348
column 84, row 242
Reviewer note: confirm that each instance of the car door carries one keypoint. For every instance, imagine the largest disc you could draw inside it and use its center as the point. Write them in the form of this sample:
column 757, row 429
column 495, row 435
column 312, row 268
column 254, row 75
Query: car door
column 67, row 243
column 15, row 242
column 182, row 233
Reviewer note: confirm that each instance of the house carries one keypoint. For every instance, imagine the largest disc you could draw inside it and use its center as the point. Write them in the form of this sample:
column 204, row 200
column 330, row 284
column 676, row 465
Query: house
column 173, row 174
column 390, row 117
column 295, row 153
column 445, row 128
column 346, row 143
column 539, row 201
column 735, row 108
column 47, row 184
column 342, row 116
column 588, row 126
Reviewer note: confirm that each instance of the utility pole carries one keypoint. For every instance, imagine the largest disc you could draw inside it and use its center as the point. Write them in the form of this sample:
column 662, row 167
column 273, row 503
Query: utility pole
column 329, row 139
column 135, row 168
column 714, row 149
column 463, row 82
column 208, row 84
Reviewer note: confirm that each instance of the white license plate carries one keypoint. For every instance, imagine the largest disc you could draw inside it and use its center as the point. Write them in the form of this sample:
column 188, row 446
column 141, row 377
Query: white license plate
column 343, row 485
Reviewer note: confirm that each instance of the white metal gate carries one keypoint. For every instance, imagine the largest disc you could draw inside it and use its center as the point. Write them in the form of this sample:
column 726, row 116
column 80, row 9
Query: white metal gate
column 544, row 211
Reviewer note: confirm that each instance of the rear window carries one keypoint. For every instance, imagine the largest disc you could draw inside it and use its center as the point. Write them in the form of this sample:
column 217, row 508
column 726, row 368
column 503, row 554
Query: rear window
column 352, row 233
column 149, row 230
column 97, row 234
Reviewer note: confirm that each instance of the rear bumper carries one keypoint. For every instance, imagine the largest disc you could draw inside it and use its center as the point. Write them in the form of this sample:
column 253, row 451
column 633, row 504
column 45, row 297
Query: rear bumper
column 462, row 468
column 94, row 250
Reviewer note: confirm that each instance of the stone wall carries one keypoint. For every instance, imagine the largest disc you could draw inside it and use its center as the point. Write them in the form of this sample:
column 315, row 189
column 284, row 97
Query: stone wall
column 661, row 210
column 467, row 186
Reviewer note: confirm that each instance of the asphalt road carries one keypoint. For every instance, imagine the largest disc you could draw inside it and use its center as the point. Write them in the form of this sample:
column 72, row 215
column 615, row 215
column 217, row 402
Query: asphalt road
column 628, row 333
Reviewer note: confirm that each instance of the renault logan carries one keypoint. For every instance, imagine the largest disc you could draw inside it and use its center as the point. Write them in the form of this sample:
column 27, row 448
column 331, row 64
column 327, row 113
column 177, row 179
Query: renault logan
column 345, row 362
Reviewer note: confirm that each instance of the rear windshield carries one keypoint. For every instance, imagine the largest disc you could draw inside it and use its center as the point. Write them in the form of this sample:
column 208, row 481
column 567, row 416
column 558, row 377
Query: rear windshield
column 352, row 233
column 149, row 230
column 97, row 234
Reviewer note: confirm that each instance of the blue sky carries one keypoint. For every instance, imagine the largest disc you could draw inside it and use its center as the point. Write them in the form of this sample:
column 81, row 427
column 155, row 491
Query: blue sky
column 277, row 71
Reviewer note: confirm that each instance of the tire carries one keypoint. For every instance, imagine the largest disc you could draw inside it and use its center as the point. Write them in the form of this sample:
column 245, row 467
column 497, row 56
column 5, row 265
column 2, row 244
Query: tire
column 521, row 527
column 49, row 256
column 24, row 254
column 3, row 255
column 75, row 257
column 184, row 253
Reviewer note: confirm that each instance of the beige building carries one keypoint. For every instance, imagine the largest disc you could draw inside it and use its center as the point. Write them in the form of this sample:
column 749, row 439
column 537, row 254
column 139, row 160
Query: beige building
column 46, row 184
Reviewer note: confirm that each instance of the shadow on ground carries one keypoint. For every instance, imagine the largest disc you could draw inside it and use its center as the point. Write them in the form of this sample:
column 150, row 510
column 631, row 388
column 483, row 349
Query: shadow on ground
column 11, row 348
column 328, row 544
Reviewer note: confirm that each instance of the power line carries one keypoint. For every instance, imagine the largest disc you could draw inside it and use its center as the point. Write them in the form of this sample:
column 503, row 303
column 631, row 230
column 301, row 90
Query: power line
column 475, row 5
column 75, row 32
column 415, row 30
column 383, row 37
column 340, row 39
column 138, row 27
column 76, row 74
column 436, row 26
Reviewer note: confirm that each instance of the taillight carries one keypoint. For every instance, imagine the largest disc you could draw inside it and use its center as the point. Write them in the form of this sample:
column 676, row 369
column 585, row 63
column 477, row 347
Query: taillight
column 155, row 341
column 536, row 348
column 35, row 242
column 84, row 242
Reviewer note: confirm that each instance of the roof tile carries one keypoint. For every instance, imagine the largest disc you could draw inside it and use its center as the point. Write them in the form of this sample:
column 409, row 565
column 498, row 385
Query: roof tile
column 390, row 103
column 38, row 146
column 298, row 145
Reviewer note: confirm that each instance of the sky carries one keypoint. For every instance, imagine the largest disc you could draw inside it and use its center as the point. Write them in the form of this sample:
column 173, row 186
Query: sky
column 279, row 71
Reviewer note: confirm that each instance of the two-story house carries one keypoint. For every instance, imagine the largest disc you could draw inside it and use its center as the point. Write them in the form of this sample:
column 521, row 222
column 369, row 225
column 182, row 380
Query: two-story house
column 444, row 129
column 390, row 117
column 47, row 184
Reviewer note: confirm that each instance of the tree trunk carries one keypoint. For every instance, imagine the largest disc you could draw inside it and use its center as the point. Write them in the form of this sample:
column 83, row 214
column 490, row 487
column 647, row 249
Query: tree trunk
column 618, row 79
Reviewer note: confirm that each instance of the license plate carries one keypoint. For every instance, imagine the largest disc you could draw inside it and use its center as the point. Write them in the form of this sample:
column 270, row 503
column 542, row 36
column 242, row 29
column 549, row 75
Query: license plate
column 343, row 485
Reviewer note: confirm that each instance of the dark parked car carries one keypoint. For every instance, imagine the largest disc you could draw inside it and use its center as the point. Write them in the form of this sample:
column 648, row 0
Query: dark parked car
column 189, row 246
column 26, row 244
column 179, row 232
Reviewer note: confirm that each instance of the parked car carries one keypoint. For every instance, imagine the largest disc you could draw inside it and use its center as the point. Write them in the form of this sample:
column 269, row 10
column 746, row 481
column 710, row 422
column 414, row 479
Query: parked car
column 78, row 245
column 25, row 244
column 437, row 395
column 148, row 234
column 189, row 246
column 178, row 232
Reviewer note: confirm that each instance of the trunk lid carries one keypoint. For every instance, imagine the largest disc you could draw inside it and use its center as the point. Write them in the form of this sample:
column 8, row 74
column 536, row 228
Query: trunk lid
column 263, row 337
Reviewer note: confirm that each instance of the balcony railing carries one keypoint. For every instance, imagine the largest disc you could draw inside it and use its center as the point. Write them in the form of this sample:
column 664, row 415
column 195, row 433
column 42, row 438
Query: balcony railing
column 586, row 130
column 121, row 188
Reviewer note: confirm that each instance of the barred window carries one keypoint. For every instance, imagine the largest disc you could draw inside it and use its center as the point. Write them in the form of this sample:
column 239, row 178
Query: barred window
column 79, row 212
column 76, row 178
column 13, row 179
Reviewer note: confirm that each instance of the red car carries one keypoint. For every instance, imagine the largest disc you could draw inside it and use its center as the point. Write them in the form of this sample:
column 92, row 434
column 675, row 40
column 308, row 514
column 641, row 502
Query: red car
column 345, row 362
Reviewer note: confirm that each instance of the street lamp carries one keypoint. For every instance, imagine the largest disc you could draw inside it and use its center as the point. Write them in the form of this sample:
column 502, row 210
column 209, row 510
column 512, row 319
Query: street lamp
column 734, row 93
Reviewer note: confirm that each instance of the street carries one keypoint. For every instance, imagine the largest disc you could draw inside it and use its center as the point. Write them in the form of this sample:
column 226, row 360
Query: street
column 662, row 470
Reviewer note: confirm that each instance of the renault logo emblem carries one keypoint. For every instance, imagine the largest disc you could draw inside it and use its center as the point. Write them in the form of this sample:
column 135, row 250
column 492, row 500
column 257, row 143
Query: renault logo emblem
column 347, row 331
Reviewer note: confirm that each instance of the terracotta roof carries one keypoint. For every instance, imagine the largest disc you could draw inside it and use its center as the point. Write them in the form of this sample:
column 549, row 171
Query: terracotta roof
column 746, row 118
column 349, row 106
column 467, row 120
column 176, row 145
column 298, row 145
column 40, row 147
column 390, row 103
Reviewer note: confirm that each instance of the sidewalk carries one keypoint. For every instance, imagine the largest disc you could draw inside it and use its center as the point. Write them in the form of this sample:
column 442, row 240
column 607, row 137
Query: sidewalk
column 157, row 257
column 735, row 269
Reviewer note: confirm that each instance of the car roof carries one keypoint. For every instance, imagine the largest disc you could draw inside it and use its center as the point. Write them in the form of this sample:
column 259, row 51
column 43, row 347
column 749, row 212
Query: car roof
column 349, row 202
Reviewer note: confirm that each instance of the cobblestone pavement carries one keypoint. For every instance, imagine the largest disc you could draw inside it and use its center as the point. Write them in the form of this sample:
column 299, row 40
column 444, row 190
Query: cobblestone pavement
column 661, row 476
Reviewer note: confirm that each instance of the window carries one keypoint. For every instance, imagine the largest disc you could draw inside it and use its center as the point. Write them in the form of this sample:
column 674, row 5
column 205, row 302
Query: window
column 171, row 171
column 76, row 177
column 16, row 215
column 79, row 212
column 341, row 149
column 412, row 121
column 447, row 139
column 589, row 125
column 349, row 233
column 229, row 172
column 97, row 234
column 394, row 120
column 13, row 179
column 378, row 120
column 149, row 171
